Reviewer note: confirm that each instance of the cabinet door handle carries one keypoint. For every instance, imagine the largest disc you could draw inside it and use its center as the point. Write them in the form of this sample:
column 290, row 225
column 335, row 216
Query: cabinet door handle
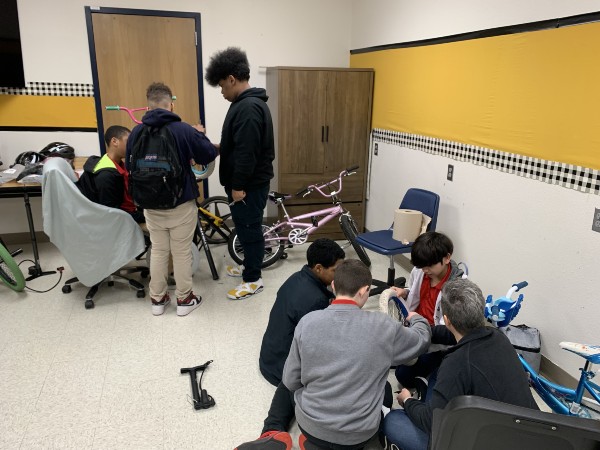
column 327, row 133
column 322, row 134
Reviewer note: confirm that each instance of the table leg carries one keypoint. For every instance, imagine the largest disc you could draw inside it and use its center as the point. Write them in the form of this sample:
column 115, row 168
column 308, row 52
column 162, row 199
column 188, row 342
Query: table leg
column 35, row 271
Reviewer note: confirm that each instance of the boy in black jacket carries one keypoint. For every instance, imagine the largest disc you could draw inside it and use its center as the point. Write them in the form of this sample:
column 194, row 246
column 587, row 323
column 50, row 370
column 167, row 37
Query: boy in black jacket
column 247, row 151
column 105, row 180
column 303, row 292
column 482, row 363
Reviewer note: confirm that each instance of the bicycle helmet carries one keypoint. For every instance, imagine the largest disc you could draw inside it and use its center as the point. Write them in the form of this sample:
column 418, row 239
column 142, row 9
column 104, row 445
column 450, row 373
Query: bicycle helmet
column 58, row 149
column 26, row 158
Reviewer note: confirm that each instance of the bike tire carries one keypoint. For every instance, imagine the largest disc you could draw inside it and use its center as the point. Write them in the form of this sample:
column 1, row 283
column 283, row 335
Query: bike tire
column 351, row 231
column 273, row 251
column 10, row 274
column 219, row 206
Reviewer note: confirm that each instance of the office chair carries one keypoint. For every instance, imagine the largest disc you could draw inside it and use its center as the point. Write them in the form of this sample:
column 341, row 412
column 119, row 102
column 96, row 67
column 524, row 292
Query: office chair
column 473, row 423
column 97, row 241
column 382, row 242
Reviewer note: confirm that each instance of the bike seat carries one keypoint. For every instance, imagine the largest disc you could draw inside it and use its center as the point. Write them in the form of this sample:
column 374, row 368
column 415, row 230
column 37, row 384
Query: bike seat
column 273, row 196
column 589, row 352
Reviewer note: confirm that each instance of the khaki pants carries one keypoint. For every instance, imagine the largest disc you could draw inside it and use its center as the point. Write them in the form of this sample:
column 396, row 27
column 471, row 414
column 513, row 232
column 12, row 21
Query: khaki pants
column 171, row 231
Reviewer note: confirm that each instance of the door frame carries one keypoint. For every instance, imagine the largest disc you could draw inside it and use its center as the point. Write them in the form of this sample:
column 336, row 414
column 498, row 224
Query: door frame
column 89, row 10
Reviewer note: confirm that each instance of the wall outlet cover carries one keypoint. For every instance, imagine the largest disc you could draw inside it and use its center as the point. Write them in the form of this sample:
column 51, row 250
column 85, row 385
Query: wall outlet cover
column 450, row 175
column 596, row 223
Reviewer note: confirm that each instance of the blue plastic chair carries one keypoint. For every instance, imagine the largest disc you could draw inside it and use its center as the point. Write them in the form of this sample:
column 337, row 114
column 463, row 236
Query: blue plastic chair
column 382, row 242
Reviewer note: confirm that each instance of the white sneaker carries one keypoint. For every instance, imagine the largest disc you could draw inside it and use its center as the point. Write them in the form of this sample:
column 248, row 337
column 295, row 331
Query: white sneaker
column 235, row 271
column 246, row 290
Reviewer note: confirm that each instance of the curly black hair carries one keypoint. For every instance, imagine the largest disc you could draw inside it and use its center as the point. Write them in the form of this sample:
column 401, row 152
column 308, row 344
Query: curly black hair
column 325, row 252
column 231, row 61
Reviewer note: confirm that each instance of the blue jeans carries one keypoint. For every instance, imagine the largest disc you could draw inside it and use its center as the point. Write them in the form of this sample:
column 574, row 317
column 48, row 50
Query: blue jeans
column 400, row 431
column 248, row 217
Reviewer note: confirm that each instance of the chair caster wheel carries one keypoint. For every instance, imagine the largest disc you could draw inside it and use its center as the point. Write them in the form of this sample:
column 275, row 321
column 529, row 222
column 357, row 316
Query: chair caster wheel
column 111, row 283
column 141, row 294
column 89, row 304
column 66, row 289
column 144, row 273
column 284, row 255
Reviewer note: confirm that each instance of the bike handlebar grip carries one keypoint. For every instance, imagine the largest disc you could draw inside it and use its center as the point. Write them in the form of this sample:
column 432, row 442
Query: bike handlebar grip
column 112, row 108
column 352, row 168
column 521, row 285
column 303, row 192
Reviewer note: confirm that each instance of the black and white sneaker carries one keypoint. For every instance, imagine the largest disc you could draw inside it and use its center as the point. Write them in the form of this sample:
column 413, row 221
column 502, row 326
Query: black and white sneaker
column 158, row 306
column 190, row 303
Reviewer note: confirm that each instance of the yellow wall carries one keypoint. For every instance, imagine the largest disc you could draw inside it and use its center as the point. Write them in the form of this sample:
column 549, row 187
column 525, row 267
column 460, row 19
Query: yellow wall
column 47, row 111
column 535, row 93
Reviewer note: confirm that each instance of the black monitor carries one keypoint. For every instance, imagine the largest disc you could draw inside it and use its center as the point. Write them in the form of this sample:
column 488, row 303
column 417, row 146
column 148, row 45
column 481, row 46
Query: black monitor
column 11, row 58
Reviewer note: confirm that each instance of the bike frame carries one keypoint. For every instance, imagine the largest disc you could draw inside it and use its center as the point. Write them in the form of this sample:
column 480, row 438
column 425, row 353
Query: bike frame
column 309, row 228
column 546, row 389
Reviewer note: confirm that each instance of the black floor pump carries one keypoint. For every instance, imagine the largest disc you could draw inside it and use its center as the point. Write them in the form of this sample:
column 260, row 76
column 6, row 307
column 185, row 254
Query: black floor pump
column 201, row 399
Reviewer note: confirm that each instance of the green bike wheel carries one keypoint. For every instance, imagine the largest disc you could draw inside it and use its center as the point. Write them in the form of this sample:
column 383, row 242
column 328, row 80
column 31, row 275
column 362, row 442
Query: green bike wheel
column 10, row 273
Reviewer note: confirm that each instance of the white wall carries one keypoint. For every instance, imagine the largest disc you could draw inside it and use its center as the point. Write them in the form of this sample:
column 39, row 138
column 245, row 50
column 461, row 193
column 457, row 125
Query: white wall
column 507, row 228
column 380, row 22
column 273, row 32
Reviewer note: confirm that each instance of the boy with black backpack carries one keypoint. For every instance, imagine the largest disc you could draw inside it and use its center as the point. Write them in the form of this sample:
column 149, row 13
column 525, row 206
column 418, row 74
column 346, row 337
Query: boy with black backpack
column 161, row 182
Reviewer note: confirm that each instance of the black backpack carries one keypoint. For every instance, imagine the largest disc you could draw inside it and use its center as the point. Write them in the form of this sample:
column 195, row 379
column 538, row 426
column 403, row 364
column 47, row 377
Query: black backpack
column 155, row 173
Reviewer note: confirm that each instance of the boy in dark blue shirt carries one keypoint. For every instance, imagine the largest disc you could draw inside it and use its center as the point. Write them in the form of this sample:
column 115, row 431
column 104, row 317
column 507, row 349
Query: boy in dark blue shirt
column 303, row 292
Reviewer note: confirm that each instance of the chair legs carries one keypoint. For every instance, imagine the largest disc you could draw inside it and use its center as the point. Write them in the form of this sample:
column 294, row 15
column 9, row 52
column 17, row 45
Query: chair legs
column 381, row 286
column 119, row 275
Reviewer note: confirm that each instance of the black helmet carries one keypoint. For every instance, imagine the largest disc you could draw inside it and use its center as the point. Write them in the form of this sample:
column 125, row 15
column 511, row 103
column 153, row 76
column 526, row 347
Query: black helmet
column 26, row 158
column 58, row 149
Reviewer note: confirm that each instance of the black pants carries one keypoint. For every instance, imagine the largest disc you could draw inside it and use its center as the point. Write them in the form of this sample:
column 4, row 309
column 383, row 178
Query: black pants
column 313, row 443
column 247, row 216
column 281, row 411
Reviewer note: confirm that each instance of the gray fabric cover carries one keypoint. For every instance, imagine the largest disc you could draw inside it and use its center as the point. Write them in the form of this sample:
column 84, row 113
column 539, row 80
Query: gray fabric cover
column 94, row 239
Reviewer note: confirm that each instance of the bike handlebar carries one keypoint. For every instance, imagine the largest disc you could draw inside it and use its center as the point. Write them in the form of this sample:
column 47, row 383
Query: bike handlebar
column 313, row 187
column 520, row 285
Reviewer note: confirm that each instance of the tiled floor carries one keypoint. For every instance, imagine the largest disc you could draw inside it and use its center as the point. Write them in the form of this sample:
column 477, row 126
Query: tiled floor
column 109, row 378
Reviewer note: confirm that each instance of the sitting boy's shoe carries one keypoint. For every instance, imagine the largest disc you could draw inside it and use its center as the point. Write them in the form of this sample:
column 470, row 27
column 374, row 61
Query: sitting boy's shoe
column 158, row 306
column 305, row 444
column 270, row 440
column 246, row 290
column 420, row 388
column 190, row 303
column 235, row 271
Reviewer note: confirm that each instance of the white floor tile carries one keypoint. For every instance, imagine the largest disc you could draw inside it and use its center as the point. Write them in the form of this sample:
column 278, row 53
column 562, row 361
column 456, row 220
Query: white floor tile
column 109, row 378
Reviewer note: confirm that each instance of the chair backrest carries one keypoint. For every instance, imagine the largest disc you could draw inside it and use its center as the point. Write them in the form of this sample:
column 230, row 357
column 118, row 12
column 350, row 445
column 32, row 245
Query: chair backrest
column 94, row 239
column 425, row 201
column 473, row 423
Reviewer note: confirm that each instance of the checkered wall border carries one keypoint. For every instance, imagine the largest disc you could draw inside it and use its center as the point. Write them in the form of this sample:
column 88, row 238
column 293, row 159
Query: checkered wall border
column 52, row 89
column 582, row 179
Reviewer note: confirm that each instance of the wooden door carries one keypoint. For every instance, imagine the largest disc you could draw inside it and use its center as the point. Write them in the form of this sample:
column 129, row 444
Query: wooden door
column 301, row 121
column 132, row 51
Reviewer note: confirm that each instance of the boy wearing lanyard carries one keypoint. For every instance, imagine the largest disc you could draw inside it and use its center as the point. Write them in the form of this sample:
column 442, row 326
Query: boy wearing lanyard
column 339, row 362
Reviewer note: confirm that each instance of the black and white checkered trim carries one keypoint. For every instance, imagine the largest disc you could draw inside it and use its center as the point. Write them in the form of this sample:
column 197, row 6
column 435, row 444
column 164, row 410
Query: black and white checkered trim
column 582, row 179
column 52, row 89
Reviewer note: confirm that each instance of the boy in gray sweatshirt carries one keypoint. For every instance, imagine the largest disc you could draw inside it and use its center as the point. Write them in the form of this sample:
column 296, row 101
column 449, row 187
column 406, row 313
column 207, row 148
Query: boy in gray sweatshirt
column 339, row 362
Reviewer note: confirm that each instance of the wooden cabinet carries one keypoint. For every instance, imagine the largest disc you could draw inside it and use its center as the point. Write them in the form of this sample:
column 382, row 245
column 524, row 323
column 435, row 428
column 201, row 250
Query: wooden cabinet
column 322, row 121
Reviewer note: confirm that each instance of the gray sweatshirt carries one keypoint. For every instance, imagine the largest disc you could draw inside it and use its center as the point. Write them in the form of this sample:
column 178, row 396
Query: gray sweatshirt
column 338, row 365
